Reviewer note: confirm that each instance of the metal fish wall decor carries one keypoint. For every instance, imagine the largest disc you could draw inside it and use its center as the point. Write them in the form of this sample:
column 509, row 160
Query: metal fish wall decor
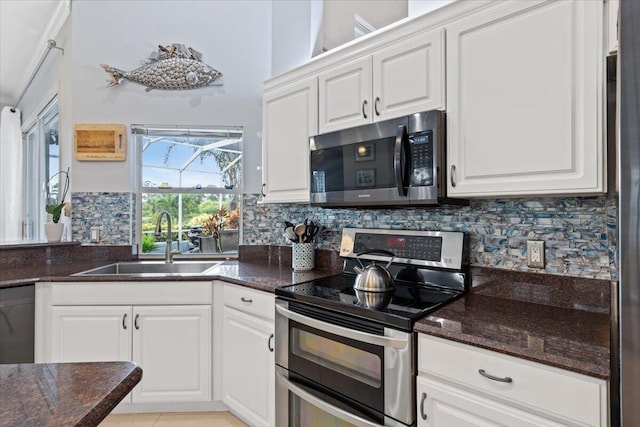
column 170, row 68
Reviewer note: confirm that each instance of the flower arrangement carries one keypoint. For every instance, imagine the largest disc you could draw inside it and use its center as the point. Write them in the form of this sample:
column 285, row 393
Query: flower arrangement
column 55, row 210
column 212, row 225
column 215, row 222
column 233, row 220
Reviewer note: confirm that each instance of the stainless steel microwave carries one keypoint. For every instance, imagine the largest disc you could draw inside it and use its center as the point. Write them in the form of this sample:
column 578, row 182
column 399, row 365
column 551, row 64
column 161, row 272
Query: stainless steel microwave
column 395, row 162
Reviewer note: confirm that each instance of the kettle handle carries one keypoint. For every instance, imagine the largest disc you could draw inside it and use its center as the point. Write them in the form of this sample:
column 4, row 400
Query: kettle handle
column 376, row 251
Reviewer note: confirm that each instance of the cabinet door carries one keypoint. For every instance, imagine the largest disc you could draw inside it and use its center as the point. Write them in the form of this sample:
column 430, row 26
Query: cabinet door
column 248, row 379
column 290, row 117
column 408, row 77
column 344, row 96
column 524, row 99
column 441, row 405
column 172, row 345
column 91, row 333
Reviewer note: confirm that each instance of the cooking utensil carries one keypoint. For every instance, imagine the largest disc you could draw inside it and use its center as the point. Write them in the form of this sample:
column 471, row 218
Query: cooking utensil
column 290, row 234
column 374, row 277
column 299, row 230
column 310, row 232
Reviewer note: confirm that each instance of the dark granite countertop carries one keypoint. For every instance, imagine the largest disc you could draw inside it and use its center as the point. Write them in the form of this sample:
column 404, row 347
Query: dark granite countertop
column 554, row 320
column 257, row 275
column 63, row 394
column 263, row 268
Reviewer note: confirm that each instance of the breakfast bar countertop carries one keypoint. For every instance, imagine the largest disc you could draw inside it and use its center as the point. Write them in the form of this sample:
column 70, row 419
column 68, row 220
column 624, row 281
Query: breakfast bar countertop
column 69, row 394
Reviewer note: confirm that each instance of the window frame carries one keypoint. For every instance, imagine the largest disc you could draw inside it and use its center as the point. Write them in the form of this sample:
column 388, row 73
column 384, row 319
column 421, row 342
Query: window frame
column 36, row 161
column 138, row 131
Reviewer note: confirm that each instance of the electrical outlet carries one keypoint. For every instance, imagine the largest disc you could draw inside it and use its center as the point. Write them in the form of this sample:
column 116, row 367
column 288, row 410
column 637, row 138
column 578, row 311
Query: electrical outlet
column 94, row 234
column 535, row 253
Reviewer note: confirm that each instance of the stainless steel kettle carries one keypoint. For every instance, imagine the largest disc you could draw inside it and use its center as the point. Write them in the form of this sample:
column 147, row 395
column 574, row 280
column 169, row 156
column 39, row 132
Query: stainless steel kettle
column 374, row 277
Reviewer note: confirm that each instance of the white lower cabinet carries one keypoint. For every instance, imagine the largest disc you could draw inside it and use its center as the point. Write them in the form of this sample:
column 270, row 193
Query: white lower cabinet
column 248, row 378
column 440, row 404
column 171, row 343
column 462, row 386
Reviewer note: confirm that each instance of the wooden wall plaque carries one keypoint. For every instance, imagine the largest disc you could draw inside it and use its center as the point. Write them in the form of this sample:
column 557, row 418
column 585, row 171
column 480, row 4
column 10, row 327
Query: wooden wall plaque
column 106, row 142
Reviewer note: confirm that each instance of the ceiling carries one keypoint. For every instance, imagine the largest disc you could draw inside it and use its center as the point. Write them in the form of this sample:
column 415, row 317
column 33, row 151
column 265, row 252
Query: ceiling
column 25, row 27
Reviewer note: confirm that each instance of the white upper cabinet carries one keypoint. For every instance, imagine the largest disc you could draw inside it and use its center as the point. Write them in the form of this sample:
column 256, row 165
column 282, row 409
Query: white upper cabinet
column 409, row 76
column 345, row 96
column 524, row 100
column 290, row 117
column 403, row 78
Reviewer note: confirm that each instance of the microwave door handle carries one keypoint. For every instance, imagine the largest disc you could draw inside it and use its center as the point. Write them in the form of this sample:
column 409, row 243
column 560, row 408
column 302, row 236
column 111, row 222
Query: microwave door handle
column 343, row 332
column 321, row 404
column 401, row 148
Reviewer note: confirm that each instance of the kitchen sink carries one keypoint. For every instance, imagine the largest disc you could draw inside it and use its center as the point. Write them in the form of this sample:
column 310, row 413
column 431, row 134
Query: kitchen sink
column 143, row 268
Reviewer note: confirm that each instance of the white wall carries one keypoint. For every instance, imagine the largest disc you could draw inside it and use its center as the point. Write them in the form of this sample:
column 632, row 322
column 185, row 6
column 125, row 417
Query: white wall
column 420, row 7
column 233, row 36
column 338, row 17
column 292, row 36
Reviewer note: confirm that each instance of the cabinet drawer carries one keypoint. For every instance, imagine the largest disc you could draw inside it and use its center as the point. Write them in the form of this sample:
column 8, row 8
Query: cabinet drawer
column 538, row 387
column 249, row 301
column 131, row 293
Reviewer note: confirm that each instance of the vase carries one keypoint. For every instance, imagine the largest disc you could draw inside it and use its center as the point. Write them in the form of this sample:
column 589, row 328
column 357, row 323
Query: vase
column 209, row 245
column 229, row 240
column 53, row 231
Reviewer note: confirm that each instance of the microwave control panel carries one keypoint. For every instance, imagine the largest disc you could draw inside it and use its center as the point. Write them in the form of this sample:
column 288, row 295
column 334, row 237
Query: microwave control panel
column 422, row 168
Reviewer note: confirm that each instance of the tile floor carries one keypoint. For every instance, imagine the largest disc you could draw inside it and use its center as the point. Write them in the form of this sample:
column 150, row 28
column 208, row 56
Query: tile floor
column 188, row 419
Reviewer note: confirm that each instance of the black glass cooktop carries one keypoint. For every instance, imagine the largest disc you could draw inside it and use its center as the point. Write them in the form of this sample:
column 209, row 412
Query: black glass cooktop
column 409, row 301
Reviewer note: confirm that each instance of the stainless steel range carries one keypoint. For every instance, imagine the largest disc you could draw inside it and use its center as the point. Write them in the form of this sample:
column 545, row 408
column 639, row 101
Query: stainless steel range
column 348, row 357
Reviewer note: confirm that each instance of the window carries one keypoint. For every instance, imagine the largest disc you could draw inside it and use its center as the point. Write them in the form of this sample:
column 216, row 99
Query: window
column 41, row 160
column 195, row 175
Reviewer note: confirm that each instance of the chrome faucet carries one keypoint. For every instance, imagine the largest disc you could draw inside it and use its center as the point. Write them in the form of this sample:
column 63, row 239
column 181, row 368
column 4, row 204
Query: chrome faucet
column 168, row 257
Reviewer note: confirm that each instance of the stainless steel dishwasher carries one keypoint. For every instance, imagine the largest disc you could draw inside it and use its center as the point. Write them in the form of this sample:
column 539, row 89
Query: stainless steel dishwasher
column 17, row 320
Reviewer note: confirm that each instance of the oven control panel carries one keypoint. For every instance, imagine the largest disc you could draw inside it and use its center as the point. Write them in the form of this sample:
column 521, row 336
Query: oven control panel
column 441, row 249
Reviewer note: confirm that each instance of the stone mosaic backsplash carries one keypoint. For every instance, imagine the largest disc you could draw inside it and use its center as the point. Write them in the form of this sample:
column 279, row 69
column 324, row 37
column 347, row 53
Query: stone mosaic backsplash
column 113, row 212
column 579, row 232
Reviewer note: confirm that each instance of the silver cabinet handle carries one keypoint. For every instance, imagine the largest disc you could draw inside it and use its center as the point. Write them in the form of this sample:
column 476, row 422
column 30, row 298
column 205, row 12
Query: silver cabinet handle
column 422, row 399
column 247, row 300
column 124, row 321
column 491, row 377
column 269, row 346
column 364, row 104
column 452, row 175
column 341, row 331
column 321, row 404
column 135, row 321
column 375, row 105
column 120, row 135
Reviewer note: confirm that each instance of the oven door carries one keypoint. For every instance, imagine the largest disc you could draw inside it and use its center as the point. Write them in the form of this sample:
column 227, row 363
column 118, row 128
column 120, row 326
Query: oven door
column 299, row 404
column 349, row 358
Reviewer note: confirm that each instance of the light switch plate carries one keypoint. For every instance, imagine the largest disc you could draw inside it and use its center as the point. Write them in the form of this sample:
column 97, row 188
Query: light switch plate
column 535, row 253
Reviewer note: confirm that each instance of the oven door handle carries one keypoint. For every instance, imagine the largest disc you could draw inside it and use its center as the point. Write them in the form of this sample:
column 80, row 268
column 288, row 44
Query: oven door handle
column 343, row 332
column 321, row 404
